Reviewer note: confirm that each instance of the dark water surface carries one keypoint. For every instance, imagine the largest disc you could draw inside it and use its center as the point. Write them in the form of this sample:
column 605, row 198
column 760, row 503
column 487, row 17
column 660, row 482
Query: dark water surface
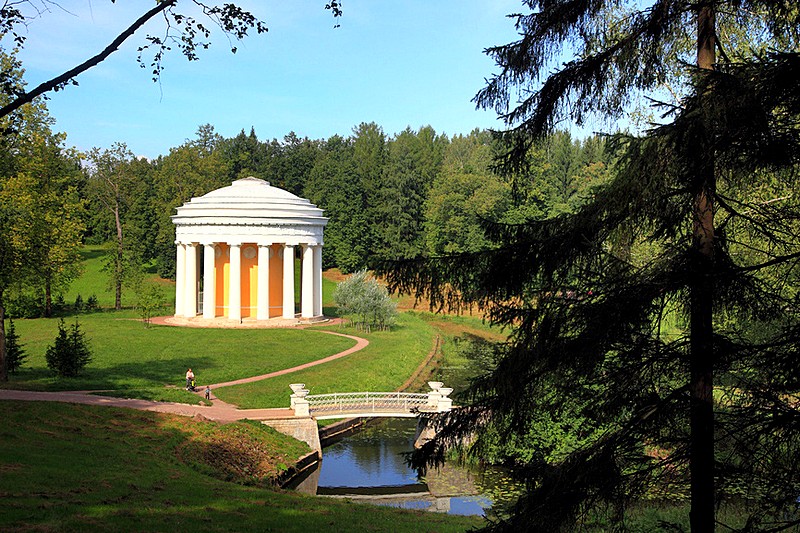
column 369, row 466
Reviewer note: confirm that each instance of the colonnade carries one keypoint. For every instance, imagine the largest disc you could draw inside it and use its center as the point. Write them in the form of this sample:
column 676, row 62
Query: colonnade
column 234, row 274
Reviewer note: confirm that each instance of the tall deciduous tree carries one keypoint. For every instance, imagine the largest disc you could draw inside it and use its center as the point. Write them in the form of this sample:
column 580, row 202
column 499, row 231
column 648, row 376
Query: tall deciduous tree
column 644, row 344
column 111, row 178
column 54, row 227
column 463, row 194
column 39, row 206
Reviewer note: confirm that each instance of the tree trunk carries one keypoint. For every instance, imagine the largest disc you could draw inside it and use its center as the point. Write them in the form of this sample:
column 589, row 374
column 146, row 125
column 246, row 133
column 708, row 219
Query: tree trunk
column 701, row 344
column 48, row 299
column 118, row 267
column 3, row 364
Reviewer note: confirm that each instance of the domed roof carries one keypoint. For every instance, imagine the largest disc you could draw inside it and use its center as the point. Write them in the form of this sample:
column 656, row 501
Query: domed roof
column 252, row 203
column 250, row 198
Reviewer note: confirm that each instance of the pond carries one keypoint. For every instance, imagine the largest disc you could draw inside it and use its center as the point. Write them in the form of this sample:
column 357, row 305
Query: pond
column 369, row 466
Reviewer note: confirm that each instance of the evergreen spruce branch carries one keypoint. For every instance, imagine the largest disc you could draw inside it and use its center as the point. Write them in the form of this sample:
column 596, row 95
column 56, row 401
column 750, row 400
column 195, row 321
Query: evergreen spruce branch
column 580, row 86
column 789, row 258
column 777, row 224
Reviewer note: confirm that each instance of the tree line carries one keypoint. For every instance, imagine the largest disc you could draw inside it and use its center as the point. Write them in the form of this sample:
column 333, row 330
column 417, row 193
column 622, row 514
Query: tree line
column 399, row 196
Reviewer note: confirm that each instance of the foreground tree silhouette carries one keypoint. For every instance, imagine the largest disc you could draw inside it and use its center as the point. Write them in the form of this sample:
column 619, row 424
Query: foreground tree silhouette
column 695, row 232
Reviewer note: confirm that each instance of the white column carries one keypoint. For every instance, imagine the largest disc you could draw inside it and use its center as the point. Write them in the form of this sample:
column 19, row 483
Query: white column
column 180, row 279
column 209, row 281
column 262, row 304
column 307, row 287
column 288, row 281
column 235, row 283
column 318, row 280
column 190, row 287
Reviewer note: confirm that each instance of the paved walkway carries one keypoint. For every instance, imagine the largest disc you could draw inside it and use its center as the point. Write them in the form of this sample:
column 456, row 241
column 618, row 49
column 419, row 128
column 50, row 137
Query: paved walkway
column 219, row 411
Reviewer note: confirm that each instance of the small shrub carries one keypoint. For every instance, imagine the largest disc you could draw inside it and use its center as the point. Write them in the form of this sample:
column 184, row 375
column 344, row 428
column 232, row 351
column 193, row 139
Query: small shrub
column 365, row 302
column 15, row 355
column 58, row 303
column 79, row 305
column 70, row 352
column 91, row 303
column 149, row 298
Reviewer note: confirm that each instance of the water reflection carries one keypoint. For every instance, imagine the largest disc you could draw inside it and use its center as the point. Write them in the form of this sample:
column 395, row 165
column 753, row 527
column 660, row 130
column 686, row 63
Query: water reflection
column 369, row 466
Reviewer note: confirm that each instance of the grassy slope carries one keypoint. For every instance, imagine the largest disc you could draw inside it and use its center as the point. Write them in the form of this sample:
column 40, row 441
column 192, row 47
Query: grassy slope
column 83, row 468
column 94, row 281
column 391, row 357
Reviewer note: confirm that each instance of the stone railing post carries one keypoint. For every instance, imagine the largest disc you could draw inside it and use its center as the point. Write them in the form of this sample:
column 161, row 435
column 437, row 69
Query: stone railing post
column 445, row 403
column 434, row 395
column 298, row 400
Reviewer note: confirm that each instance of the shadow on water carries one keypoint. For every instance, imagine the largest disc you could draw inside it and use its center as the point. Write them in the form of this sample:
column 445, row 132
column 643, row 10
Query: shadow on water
column 369, row 466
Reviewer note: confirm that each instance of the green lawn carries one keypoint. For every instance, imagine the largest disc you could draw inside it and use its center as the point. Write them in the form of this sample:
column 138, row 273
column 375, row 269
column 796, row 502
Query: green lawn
column 391, row 357
column 128, row 356
column 83, row 468
column 134, row 361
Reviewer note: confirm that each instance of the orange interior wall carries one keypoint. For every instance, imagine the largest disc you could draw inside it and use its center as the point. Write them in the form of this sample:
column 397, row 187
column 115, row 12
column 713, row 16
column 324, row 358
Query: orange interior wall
column 222, row 265
column 249, row 280
column 275, row 282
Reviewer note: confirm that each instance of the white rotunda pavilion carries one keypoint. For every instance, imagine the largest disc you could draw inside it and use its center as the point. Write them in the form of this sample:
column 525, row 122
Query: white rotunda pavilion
column 249, row 233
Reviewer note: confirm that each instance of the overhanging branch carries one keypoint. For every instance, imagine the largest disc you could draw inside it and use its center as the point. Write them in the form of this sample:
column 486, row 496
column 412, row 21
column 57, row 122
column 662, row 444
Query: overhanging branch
column 64, row 78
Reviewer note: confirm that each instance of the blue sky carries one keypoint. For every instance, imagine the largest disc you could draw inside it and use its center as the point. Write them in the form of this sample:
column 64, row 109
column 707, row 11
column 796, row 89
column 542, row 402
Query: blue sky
column 399, row 64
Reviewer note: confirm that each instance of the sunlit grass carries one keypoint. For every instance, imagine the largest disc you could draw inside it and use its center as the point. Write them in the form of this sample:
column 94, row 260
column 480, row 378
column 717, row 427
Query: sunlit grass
column 128, row 356
column 391, row 357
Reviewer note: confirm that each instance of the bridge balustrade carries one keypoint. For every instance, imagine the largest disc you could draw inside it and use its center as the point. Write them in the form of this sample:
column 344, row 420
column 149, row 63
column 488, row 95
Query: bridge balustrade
column 366, row 401
column 369, row 403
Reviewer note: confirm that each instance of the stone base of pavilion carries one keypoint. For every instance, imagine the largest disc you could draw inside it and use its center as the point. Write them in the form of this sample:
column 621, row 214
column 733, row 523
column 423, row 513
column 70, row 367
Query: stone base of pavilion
column 221, row 322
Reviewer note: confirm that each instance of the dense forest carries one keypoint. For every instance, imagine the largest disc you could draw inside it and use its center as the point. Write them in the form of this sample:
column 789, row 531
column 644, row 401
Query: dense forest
column 389, row 196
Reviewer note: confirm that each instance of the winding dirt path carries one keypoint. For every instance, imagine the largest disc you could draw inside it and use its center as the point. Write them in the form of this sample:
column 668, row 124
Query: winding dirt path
column 219, row 411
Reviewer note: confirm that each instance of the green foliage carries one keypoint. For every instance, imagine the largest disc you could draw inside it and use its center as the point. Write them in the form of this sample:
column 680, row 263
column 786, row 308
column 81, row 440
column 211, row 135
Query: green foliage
column 365, row 302
column 15, row 352
column 70, row 352
column 654, row 317
column 413, row 161
column 463, row 194
column 333, row 185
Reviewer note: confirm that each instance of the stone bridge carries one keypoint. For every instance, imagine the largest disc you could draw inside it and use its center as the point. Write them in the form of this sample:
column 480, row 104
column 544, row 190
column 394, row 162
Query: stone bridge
column 310, row 408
